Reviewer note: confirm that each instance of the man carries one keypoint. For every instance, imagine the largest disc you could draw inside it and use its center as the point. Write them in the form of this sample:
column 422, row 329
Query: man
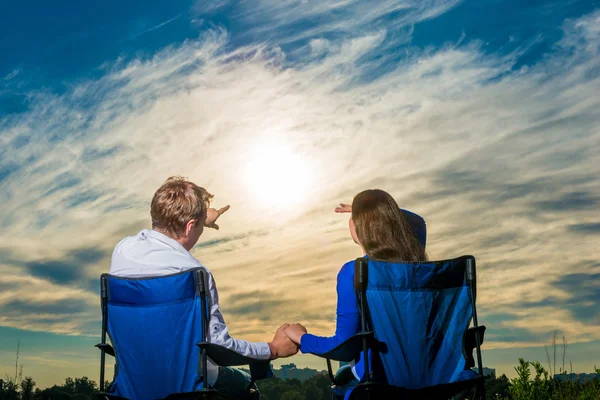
column 180, row 211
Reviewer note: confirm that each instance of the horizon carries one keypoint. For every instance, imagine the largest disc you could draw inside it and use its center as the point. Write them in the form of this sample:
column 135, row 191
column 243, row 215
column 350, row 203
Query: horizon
column 504, row 367
column 480, row 116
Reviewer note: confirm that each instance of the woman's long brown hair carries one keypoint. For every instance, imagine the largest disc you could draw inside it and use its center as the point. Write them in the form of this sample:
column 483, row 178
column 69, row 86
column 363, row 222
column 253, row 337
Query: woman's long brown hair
column 382, row 230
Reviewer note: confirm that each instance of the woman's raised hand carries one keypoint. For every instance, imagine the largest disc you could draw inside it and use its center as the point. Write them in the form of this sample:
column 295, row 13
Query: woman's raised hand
column 343, row 208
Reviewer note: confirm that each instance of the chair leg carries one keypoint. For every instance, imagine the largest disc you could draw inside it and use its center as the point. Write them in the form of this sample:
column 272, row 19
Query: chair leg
column 473, row 393
column 334, row 395
column 480, row 391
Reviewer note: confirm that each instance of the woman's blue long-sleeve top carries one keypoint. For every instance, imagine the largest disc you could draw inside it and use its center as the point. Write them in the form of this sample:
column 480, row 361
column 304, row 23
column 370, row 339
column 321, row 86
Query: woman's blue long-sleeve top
column 348, row 316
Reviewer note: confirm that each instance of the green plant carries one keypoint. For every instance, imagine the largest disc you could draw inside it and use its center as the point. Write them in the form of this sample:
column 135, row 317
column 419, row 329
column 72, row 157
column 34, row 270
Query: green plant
column 524, row 387
column 540, row 388
column 521, row 386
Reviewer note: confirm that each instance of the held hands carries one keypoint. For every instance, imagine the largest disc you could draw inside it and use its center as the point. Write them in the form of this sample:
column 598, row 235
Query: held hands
column 212, row 215
column 294, row 332
column 282, row 346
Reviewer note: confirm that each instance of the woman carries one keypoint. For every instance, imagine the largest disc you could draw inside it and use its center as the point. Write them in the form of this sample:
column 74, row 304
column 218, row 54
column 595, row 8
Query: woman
column 383, row 232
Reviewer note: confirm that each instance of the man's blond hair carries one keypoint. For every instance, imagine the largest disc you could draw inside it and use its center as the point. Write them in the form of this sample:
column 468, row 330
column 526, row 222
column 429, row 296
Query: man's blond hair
column 177, row 202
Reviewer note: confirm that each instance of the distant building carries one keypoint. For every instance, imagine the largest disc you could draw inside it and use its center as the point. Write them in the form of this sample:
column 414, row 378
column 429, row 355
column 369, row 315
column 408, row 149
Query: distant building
column 573, row 377
column 486, row 371
column 291, row 371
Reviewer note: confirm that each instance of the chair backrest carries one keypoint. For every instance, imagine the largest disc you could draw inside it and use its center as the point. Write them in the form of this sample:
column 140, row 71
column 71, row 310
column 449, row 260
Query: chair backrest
column 154, row 325
column 419, row 313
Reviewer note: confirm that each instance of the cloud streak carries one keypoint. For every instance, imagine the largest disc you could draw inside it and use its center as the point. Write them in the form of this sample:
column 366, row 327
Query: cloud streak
column 158, row 26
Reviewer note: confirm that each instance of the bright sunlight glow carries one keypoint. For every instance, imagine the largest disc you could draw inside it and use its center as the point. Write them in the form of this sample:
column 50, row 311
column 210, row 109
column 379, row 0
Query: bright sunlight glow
column 277, row 176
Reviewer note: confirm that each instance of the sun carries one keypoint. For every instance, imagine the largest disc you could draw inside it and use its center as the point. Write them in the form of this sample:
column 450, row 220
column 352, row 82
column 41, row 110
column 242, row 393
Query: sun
column 277, row 176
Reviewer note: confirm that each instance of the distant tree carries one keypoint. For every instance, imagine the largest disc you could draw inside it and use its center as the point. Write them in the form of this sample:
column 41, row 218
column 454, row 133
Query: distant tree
column 323, row 385
column 9, row 390
column 496, row 388
column 320, row 380
column 53, row 393
column 294, row 382
column 292, row 395
column 314, row 388
column 69, row 386
column 271, row 388
column 311, row 391
column 85, row 385
column 80, row 396
column 27, row 386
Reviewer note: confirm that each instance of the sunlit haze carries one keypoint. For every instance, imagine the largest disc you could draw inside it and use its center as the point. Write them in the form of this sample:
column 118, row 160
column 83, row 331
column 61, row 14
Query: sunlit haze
column 279, row 177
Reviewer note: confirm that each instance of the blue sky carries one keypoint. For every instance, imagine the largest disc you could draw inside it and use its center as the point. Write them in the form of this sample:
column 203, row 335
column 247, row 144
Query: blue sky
column 481, row 116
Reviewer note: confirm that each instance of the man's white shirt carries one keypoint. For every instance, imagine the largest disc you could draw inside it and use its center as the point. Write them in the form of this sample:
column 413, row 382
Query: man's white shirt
column 151, row 253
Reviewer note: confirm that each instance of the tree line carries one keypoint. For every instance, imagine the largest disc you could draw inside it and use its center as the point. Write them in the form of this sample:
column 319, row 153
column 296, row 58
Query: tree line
column 531, row 383
column 24, row 389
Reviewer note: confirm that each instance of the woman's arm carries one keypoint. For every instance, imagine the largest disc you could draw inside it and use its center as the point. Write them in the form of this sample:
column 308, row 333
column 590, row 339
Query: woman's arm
column 348, row 317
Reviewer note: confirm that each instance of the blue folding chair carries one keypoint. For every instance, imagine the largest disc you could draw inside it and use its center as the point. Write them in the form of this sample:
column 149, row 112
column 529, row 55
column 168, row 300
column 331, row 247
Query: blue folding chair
column 415, row 339
column 157, row 327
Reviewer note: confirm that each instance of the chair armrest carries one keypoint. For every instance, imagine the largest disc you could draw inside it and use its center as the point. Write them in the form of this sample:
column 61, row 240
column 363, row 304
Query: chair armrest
column 107, row 348
column 226, row 357
column 469, row 344
column 349, row 349
column 259, row 369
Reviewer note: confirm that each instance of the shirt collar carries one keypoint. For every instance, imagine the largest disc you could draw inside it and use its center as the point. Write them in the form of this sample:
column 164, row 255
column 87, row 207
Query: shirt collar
column 161, row 237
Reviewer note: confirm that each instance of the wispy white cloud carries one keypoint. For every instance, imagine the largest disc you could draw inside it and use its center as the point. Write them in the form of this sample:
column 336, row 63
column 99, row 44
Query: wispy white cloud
column 293, row 20
column 11, row 75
